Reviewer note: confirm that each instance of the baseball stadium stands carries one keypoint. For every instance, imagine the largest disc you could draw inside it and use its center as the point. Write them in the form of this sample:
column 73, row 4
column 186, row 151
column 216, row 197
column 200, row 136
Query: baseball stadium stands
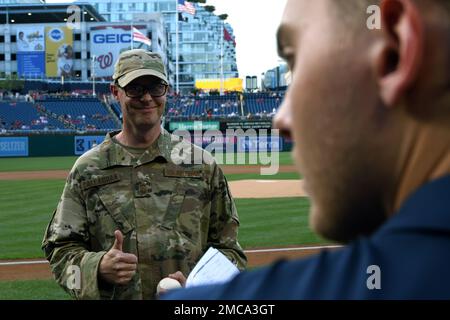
column 74, row 112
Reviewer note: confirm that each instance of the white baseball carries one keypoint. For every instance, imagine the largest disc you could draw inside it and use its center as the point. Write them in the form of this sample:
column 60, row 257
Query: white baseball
column 167, row 284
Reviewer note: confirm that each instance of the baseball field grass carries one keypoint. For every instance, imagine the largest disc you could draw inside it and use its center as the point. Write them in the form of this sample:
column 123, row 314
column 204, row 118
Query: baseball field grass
column 25, row 209
column 36, row 163
column 32, row 290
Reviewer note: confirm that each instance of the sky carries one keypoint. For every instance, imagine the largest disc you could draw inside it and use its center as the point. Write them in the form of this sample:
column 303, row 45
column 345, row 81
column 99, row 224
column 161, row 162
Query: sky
column 255, row 23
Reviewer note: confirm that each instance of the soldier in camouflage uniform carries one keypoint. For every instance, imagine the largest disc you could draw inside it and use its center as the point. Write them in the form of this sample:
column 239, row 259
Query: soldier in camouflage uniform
column 141, row 205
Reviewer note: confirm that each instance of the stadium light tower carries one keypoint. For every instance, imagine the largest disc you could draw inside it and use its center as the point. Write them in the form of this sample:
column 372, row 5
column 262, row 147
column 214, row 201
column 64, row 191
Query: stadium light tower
column 263, row 86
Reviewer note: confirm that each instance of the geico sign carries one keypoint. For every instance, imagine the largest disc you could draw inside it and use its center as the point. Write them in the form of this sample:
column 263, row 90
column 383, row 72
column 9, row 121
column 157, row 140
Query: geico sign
column 112, row 38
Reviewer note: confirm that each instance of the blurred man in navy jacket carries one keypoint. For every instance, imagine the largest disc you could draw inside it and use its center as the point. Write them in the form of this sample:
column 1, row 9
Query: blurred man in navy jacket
column 369, row 111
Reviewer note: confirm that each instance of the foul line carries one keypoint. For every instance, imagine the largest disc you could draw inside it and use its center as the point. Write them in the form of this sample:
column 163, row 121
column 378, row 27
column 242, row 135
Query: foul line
column 16, row 263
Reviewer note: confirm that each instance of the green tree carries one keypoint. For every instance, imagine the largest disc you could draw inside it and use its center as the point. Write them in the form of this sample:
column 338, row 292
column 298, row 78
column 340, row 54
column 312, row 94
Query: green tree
column 12, row 83
column 210, row 8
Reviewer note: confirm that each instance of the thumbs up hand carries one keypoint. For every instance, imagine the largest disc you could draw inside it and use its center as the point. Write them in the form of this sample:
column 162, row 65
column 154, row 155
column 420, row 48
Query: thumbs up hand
column 119, row 240
column 117, row 267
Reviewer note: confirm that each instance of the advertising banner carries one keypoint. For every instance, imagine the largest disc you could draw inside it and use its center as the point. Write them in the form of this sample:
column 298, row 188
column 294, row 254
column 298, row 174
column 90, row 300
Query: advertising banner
column 230, row 84
column 258, row 144
column 30, row 51
column 248, row 125
column 194, row 125
column 86, row 143
column 59, row 54
column 14, row 147
column 107, row 42
column 216, row 142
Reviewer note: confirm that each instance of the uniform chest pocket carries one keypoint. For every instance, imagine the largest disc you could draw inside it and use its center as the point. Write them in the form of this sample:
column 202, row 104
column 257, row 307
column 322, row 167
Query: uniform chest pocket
column 106, row 211
column 116, row 205
column 185, row 209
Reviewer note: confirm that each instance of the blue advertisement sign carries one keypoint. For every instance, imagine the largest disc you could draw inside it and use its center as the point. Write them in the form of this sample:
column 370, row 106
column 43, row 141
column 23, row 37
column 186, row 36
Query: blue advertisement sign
column 31, row 64
column 256, row 144
column 86, row 143
column 14, row 147
column 30, row 51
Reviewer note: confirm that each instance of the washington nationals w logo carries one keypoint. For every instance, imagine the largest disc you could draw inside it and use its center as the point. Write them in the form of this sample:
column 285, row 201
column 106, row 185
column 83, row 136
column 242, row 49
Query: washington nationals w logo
column 105, row 60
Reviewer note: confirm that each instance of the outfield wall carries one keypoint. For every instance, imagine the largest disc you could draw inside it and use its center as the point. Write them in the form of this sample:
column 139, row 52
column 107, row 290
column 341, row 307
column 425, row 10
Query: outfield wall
column 219, row 137
column 47, row 145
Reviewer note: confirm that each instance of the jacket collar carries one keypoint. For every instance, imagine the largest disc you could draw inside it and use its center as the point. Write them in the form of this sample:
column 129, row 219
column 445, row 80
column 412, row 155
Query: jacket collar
column 116, row 155
column 426, row 209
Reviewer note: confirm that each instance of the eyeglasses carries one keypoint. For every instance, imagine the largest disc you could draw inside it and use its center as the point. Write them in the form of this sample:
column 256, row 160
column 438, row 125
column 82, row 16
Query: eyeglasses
column 156, row 90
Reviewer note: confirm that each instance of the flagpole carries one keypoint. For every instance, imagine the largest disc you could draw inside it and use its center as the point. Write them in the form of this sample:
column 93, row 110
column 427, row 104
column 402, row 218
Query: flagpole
column 131, row 31
column 177, row 87
column 221, row 59
column 93, row 74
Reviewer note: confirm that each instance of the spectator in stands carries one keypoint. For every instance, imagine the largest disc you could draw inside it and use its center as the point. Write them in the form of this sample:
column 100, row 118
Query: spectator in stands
column 130, row 214
column 91, row 127
column 369, row 111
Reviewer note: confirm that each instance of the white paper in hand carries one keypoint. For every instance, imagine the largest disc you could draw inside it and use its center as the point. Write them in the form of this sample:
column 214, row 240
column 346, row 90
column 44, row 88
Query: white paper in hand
column 213, row 267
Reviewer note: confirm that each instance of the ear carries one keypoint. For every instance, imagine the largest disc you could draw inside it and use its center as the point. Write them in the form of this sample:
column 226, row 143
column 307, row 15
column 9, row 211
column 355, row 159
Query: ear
column 401, row 57
column 114, row 91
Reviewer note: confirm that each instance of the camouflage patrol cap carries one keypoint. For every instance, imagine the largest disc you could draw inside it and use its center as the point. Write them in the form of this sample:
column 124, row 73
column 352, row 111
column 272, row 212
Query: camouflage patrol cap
column 136, row 63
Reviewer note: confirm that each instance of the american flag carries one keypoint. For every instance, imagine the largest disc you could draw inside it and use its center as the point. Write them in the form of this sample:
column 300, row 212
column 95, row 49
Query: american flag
column 186, row 6
column 140, row 37
column 228, row 37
